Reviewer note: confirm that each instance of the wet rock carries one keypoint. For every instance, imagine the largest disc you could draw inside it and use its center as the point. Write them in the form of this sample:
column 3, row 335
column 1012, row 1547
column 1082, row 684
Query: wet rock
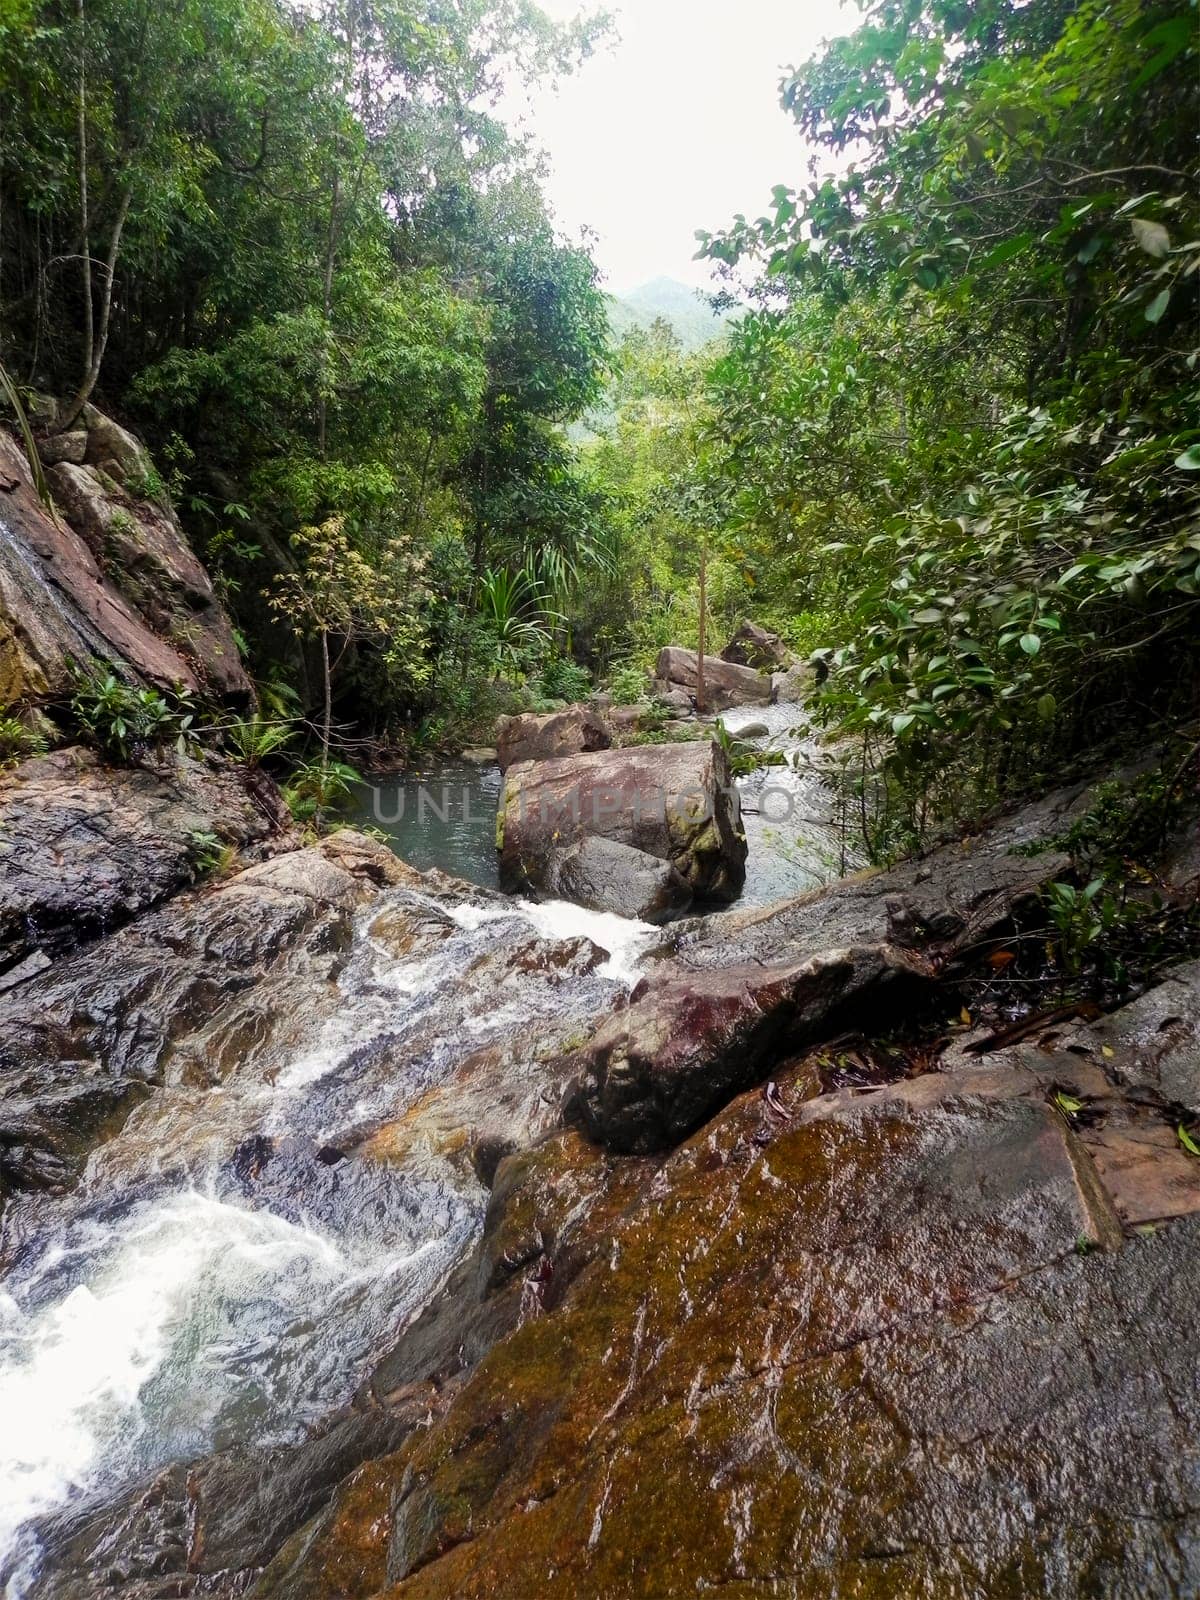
column 56, row 606
column 753, row 646
column 675, row 802
column 208, row 1528
column 653, row 1072
column 141, row 545
column 481, row 756
column 725, row 683
column 836, row 1345
column 938, row 906
column 730, row 997
column 753, row 730
column 85, row 846
column 542, row 738
column 605, row 875
column 185, row 995
column 1152, row 1046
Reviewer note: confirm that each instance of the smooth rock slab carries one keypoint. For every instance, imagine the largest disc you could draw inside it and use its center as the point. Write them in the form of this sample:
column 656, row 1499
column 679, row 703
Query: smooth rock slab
column 875, row 1349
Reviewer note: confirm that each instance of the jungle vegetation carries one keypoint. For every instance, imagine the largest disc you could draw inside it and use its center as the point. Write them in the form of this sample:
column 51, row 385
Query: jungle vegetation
column 948, row 443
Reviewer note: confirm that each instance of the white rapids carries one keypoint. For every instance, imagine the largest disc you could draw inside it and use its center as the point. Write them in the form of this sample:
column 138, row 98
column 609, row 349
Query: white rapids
column 166, row 1309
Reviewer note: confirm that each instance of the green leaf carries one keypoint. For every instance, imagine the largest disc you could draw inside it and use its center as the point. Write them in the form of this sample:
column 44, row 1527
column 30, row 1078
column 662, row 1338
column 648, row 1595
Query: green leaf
column 1047, row 707
column 1189, row 461
column 903, row 721
column 1030, row 643
column 1007, row 250
column 1157, row 306
column 1152, row 236
column 1186, row 1140
column 1068, row 1105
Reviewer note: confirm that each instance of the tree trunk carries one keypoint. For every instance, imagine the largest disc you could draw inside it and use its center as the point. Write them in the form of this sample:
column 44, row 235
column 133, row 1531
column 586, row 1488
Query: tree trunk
column 700, row 694
column 84, row 220
column 327, row 717
column 110, row 268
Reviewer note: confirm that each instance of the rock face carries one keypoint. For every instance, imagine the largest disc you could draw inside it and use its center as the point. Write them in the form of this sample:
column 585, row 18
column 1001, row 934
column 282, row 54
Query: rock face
column 725, row 683
column 753, row 987
column 752, row 646
column 562, row 733
column 892, row 1341
column 676, row 803
column 188, row 993
column 85, row 846
column 116, row 580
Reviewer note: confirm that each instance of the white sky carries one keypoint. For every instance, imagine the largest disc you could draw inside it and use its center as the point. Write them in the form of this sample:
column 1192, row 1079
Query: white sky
column 678, row 127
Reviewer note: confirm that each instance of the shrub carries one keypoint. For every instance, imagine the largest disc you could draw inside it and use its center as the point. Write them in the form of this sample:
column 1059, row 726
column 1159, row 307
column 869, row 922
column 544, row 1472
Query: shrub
column 315, row 788
column 18, row 741
column 563, row 679
column 256, row 738
column 124, row 721
column 627, row 684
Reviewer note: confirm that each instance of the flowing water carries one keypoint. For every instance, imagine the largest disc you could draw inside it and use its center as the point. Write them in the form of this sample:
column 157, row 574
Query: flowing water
column 794, row 840
column 225, row 1272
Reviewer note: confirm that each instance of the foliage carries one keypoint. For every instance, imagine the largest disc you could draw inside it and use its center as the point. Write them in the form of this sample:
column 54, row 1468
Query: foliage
column 627, row 684
column 317, row 787
column 1081, row 917
column 210, row 855
column 126, row 722
column 562, row 679
column 18, row 741
column 256, row 738
column 961, row 421
column 296, row 246
column 744, row 758
column 515, row 609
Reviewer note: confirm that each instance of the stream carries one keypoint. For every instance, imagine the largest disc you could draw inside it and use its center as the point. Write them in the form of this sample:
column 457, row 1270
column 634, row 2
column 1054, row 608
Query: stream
column 239, row 1254
column 192, row 1293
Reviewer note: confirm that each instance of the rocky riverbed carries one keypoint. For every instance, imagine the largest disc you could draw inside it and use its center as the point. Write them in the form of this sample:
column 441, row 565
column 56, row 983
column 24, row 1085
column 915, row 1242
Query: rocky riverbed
column 365, row 1232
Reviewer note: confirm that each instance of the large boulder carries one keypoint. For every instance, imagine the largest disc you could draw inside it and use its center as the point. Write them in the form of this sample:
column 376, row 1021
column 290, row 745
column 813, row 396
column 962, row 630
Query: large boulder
column 541, row 738
column 675, row 802
column 725, row 684
column 605, row 875
column 112, row 577
column 752, row 646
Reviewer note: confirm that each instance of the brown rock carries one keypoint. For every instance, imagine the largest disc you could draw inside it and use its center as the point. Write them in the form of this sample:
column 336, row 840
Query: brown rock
column 542, row 738
column 84, row 846
column 675, row 802
column 141, row 545
column 725, row 684
column 838, row 1346
column 752, row 646
column 57, row 606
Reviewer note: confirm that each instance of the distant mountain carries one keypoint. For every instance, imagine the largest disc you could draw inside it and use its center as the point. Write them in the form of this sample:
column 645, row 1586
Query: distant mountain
column 685, row 309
